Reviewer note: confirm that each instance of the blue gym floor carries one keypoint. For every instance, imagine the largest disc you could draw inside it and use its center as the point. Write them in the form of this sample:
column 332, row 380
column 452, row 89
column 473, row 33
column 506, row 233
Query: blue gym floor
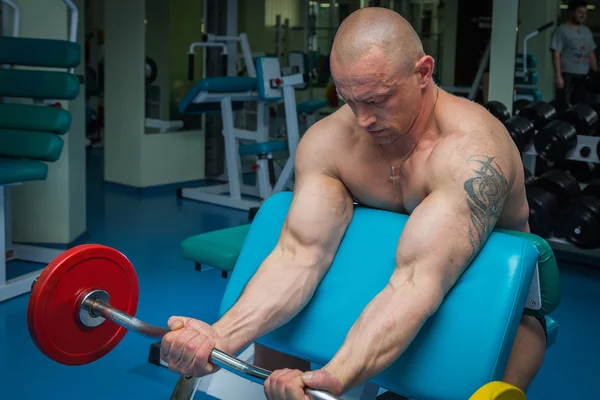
column 148, row 229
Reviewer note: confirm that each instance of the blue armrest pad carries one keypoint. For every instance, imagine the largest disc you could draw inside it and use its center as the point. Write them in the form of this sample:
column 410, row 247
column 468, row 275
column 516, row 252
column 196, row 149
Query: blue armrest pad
column 311, row 106
column 220, row 84
column 273, row 146
column 463, row 346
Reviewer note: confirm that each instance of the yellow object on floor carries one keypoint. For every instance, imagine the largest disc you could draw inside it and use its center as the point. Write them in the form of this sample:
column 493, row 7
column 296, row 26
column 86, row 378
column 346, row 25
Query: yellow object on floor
column 498, row 391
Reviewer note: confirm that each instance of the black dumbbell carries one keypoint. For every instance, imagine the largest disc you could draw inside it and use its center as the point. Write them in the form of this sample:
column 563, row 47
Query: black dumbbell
column 579, row 221
column 529, row 177
column 580, row 170
column 521, row 131
column 546, row 196
column 518, row 105
column 558, row 138
column 583, row 117
column 540, row 113
column 498, row 110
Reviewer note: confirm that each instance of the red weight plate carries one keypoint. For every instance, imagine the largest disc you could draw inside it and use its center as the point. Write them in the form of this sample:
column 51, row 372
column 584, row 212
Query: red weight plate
column 52, row 314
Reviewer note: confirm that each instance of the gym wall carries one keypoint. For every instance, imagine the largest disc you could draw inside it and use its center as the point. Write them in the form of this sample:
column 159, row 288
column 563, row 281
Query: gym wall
column 133, row 157
column 54, row 210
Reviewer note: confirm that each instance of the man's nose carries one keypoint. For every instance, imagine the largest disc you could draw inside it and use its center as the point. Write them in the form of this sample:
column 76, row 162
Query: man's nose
column 365, row 118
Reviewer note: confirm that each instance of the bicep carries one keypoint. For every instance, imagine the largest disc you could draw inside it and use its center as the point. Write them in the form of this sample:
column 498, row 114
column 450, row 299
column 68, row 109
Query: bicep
column 319, row 214
column 450, row 226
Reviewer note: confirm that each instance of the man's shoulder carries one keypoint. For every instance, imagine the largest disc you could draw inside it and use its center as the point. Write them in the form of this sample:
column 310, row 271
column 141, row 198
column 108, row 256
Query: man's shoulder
column 477, row 138
column 588, row 30
column 324, row 142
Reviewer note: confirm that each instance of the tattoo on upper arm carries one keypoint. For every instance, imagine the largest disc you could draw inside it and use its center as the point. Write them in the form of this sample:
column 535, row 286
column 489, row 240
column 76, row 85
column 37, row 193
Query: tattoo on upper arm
column 486, row 192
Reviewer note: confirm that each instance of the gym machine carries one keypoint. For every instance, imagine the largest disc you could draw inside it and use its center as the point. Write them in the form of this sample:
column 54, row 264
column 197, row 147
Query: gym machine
column 263, row 85
column 524, row 76
column 31, row 130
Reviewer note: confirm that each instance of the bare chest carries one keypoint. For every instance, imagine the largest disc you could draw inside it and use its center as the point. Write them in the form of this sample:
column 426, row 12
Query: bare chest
column 378, row 185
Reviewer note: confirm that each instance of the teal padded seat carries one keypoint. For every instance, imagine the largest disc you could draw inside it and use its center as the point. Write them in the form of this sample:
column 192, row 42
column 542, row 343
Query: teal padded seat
column 551, row 331
column 38, row 84
column 15, row 171
column 227, row 84
column 222, row 84
column 219, row 249
column 35, row 117
column 311, row 106
column 262, row 148
column 35, row 52
column 43, row 146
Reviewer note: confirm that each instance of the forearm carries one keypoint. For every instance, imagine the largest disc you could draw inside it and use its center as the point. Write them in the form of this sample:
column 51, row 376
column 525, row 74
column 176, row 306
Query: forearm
column 593, row 62
column 278, row 290
column 556, row 63
column 384, row 330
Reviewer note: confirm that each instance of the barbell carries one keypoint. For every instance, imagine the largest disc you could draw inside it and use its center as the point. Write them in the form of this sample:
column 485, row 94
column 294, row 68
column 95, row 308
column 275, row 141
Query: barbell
column 81, row 306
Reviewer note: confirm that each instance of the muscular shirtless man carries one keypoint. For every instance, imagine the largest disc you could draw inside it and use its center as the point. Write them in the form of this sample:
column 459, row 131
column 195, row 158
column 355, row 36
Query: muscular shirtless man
column 402, row 144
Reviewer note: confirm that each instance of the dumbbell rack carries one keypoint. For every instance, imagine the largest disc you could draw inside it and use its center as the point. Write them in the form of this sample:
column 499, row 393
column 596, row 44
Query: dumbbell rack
column 529, row 160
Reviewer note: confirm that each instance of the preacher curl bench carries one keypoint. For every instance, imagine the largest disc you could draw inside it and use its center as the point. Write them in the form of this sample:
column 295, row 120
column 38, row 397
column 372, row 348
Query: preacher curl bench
column 461, row 352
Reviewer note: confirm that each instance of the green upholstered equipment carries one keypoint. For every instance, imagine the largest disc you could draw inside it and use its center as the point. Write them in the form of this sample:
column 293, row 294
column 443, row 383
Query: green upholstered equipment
column 219, row 249
column 38, row 84
column 14, row 170
column 43, row 146
column 548, row 273
column 36, row 52
column 551, row 331
column 38, row 71
column 35, row 117
column 29, row 132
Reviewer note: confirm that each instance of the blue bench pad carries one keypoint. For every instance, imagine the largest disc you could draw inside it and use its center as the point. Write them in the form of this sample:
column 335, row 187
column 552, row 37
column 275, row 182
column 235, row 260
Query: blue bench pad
column 449, row 358
column 262, row 147
column 225, row 84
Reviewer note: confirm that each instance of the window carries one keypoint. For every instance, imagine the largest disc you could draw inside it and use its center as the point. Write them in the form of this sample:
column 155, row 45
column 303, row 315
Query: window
column 286, row 8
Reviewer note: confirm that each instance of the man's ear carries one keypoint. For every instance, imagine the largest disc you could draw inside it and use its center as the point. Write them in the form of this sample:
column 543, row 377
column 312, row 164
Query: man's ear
column 424, row 68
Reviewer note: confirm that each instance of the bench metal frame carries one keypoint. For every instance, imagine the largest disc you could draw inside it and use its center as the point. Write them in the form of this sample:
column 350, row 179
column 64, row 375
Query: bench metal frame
column 230, row 194
column 14, row 251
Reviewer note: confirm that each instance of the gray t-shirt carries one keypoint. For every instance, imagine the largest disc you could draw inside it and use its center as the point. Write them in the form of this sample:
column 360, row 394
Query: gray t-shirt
column 574, row 45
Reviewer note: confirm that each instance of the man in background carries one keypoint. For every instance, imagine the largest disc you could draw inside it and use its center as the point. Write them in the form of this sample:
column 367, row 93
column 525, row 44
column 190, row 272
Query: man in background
column 573, row 56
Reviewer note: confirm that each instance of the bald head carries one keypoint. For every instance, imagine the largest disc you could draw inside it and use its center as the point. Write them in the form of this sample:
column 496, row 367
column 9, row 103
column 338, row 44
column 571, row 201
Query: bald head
column 372, row 30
